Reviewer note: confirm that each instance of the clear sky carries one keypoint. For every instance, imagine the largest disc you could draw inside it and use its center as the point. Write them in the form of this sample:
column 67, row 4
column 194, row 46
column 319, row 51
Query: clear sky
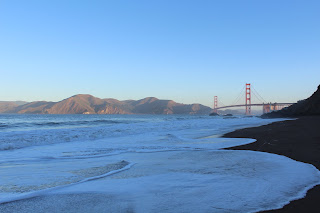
column 183, row 50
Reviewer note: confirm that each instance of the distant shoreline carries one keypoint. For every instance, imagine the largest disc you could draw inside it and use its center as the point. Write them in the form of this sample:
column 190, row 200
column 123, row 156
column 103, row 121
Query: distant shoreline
column 88, row 104
column 297, row 139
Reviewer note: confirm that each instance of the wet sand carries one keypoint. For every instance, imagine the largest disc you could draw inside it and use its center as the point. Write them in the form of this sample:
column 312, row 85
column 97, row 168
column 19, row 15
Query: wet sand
column 68, row 203
column 297, row 139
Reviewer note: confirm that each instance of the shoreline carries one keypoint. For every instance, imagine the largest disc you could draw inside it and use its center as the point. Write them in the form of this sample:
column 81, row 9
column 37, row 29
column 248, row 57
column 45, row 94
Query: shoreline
column 297, row 139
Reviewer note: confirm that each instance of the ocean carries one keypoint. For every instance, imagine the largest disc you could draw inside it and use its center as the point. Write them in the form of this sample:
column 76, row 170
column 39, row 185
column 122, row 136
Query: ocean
column 140, row 163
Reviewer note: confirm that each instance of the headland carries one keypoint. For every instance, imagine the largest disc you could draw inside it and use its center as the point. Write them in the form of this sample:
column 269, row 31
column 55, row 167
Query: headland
column 298, row 139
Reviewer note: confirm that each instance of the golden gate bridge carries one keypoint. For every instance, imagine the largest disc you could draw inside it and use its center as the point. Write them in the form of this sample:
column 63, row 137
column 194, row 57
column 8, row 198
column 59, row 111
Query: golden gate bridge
column 266, row 106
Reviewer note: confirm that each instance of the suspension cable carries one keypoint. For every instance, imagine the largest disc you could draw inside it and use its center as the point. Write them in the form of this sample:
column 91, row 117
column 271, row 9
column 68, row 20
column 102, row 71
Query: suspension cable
column 259, row 95
column 221, row 103
column 239, row 96
column 255, row 95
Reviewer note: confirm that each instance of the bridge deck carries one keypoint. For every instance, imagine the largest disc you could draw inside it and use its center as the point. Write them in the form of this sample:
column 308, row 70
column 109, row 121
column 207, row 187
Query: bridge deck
column 243, row 105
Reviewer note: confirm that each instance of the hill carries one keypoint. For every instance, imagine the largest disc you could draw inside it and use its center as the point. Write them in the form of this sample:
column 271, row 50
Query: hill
column 7, row 105
column 309, row 106
column 88, row 104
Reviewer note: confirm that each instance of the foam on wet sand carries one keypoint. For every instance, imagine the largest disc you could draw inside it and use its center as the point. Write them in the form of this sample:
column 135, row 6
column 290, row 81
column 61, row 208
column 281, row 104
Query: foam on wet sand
column 162, row 164
column 184, row 181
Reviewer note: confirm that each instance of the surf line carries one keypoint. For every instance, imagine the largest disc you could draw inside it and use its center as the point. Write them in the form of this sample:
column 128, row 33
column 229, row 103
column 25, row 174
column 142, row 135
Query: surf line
column 41, row 192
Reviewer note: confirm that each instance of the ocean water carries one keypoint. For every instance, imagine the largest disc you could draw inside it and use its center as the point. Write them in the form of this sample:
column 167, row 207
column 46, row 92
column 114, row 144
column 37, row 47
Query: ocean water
column 140, row 163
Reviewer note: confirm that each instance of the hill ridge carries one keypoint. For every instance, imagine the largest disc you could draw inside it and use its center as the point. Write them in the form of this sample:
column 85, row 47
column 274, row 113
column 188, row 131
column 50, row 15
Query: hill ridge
column 88, row 104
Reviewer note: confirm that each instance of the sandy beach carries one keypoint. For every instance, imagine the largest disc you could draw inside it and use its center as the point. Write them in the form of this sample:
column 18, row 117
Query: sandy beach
column 297, row 139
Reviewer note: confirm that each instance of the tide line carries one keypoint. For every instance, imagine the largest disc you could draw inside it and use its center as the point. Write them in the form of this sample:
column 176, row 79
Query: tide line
column 43, row 191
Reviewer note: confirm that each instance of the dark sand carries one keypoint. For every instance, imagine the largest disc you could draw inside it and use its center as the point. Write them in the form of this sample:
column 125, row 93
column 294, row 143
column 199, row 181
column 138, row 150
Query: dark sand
column 297, row 139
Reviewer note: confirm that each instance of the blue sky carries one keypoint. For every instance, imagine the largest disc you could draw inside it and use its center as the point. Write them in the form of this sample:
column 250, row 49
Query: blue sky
column 188, row 51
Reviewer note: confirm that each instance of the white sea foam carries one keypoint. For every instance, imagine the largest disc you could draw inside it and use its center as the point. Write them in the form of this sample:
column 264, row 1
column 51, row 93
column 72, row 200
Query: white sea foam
column 167, row 128
column 165, row 164
column 9, row 197
column 191, row 181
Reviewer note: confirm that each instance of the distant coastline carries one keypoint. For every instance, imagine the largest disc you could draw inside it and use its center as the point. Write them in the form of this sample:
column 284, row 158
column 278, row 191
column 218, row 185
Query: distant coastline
column 88, row 104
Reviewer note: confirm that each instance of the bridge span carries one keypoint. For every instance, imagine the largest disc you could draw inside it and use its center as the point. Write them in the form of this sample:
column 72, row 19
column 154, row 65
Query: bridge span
column 267, row 107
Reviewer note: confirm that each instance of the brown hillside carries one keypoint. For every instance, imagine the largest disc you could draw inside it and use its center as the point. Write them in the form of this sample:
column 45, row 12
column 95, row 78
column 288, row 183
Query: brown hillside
column 77, row 104
column 88, row 104
column 37, row 107
column 156, row 106
column 9, row 105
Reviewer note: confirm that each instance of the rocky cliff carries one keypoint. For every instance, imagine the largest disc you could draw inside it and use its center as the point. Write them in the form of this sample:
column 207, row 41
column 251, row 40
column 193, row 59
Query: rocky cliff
column 88, row 104
column 309, row 106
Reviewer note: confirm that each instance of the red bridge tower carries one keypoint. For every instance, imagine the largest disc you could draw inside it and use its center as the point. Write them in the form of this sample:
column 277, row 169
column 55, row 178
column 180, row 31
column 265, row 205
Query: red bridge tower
column 248, row 99
column 215, row 105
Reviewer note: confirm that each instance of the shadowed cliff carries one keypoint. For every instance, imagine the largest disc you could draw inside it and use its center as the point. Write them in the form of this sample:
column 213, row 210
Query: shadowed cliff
column 309, row 106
